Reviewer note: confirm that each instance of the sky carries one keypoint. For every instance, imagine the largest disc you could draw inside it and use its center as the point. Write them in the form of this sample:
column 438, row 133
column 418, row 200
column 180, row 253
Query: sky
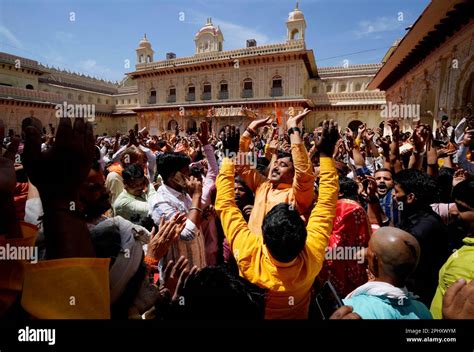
column 99, row 37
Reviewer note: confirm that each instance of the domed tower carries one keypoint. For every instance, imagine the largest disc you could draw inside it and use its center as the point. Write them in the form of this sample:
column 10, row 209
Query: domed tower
column 144, row 51
column 209, row 38
column 296, row 24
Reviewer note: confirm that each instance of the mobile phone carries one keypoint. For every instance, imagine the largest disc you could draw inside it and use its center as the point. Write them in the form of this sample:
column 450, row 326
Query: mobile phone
column 328, row 300
column 363, row 171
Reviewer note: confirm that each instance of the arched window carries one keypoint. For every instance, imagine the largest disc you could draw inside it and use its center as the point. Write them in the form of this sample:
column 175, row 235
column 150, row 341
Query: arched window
column 69, row 96
column 295, row 34
column 358, row 87
column 191, row 126
column 277, row 87
column 248, row 88
column 172, row 125
column 79, row 97
column 29, row 86
column 223, row 90
column 314, row 90
column 152, row 96
column 171, row 94
column 99, row 101
column 206, row 91
column 191, row 93
column 328, row 88
column 148, row 58
column 342, row 88
column 142, row 59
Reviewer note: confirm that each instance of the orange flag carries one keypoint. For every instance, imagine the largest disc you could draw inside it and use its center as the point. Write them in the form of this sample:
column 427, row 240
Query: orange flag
column 278, row 115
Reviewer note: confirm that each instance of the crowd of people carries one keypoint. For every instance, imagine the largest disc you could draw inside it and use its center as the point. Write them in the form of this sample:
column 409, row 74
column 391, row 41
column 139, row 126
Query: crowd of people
column 255, row 223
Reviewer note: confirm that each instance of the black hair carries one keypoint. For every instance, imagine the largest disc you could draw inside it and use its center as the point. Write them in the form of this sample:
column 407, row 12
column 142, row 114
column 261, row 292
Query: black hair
column 384, row 169
column 419, row 183
column 464, row 192
column 170, row 163
column 284, row 232
column 215, row 293
column 161, row 143
column 348, row 188
column 262, row 164
column 249, row 194
column 445, row 183
column 282, row 154
column 132, row 171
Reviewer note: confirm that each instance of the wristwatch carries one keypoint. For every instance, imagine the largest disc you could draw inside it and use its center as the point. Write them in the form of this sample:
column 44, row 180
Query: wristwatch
column 291, row 130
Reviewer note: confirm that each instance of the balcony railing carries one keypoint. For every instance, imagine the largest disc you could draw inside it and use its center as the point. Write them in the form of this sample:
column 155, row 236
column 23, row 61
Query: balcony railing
column 190, row 96
column 152, row 100
column 171, row 99
column 276, row 92
column 206, row 96
column 224, row 94
column 247, row 93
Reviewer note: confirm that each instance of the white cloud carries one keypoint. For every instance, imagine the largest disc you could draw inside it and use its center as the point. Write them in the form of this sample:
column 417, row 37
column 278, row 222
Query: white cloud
column 5, row 33
column 235, row 35
column 377, row 26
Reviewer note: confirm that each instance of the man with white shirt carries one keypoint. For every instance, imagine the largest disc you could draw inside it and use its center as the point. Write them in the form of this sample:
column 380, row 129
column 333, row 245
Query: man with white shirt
column 180, row 193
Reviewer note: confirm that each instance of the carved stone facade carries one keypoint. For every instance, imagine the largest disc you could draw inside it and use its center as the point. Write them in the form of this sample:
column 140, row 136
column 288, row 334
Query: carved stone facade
column 441, row 79
column 160, row 94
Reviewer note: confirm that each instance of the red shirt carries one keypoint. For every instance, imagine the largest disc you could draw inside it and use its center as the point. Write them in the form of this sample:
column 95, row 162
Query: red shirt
column 351, row 232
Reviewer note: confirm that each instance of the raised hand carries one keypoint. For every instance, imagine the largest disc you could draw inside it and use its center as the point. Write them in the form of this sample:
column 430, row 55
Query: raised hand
column 421, row 136
column 294, row 121
column 395, row 127
column 60, row 171
column 204, row 134
column 254, row 125
column 194, row 186
column 172, row 272
column 168, row 233
column 327, row 143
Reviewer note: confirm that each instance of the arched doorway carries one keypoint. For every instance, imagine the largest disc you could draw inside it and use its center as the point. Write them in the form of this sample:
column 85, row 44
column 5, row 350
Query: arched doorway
column 172, row 125
column 191, row 126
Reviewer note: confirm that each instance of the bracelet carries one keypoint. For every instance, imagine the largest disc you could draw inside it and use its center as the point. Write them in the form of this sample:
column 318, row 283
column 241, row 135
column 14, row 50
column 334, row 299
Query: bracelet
column 251, row 131
column 195, row 208
column 149, row 261
column 292, row 130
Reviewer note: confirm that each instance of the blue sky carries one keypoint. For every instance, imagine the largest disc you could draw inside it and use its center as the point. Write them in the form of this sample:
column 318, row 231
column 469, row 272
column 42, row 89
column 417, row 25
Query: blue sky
column 106, row 33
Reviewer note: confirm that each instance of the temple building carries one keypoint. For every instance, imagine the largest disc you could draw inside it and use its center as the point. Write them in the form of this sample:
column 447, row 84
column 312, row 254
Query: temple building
column 237, row 85
column 227, row 86
column 433, row 65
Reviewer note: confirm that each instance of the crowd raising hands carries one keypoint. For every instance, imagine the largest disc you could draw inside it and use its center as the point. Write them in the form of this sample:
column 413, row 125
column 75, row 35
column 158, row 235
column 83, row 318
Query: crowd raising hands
column 178, row 226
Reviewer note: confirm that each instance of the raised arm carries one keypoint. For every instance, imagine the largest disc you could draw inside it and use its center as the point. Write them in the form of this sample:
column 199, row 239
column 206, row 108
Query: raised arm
column 321, row 220
column 212, row 167
column 303, row 182
column 251, row 177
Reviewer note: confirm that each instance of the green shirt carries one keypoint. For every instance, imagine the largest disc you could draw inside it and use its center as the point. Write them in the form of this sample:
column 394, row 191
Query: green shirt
column 459, row 265
column 131, row 207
